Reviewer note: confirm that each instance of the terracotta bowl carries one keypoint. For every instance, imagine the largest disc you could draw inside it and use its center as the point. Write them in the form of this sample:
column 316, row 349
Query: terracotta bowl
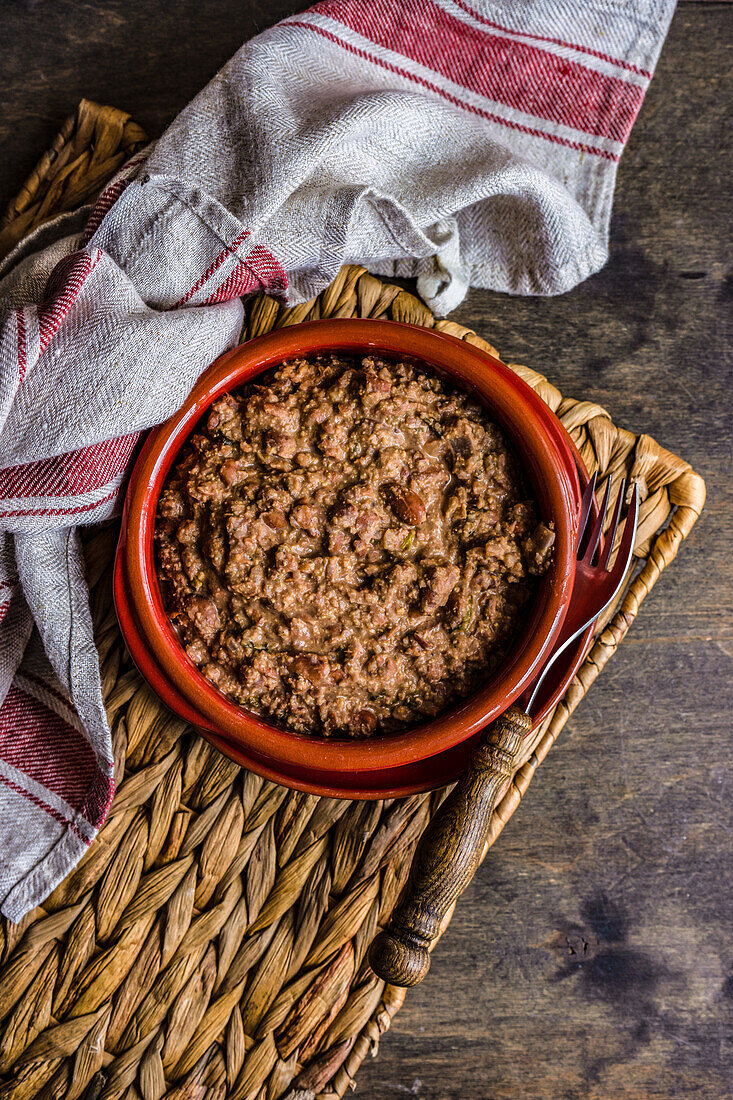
column 330, row 765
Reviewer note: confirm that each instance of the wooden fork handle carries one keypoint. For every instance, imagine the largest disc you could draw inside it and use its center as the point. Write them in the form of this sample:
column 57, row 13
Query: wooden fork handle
column 447, row 855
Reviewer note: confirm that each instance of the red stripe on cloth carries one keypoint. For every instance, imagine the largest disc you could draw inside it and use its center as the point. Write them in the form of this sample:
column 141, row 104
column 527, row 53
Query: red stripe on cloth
column 617, row 61
column 103, row 205
column 61, row 291
column 260, row 271
column 60, row 511
column 267, row 269
column 241, row 281
column 6, row 596
column 39, row 743
column 69, row 474
column 110, row 195
column 50, row 689
column 521, row 76
column 43, row 806
column 22, row 353
column 228, row 250
column 578, row 145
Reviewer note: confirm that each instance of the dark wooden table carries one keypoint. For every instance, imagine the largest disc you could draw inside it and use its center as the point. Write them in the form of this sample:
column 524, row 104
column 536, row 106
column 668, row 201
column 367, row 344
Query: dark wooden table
column 593, row 955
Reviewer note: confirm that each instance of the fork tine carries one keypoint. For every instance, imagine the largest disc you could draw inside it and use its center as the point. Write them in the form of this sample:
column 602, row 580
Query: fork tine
column 611, row 532
column 611, row 586
column 595, row 534
column 628, row 538
column 585, row 509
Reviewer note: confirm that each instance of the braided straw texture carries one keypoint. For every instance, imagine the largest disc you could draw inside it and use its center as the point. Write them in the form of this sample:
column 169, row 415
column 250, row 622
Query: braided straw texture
column 212, row 941
column 92, row 144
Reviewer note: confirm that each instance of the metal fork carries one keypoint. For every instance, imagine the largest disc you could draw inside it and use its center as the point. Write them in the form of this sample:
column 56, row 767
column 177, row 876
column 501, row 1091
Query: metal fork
column 595, row 587
column 450, row 849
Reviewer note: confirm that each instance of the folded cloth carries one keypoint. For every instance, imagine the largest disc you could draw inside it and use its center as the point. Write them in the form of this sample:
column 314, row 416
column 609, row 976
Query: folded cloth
column 464, row 142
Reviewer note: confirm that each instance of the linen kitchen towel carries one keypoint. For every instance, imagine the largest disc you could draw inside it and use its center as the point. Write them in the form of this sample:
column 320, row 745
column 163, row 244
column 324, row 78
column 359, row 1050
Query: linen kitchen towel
column 464, row 142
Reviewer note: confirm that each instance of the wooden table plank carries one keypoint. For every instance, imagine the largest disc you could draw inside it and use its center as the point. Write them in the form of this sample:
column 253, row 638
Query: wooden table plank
column 592, row 956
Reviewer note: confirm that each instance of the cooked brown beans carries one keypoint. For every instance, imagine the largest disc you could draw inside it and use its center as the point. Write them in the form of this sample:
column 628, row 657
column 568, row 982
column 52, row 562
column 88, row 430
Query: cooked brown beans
column 345, row 547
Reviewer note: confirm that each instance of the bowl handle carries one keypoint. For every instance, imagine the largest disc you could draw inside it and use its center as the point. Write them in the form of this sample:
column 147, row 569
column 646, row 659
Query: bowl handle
column 447, row 855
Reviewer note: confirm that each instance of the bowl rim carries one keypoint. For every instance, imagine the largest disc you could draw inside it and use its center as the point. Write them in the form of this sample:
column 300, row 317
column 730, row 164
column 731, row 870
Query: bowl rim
column 523, row 416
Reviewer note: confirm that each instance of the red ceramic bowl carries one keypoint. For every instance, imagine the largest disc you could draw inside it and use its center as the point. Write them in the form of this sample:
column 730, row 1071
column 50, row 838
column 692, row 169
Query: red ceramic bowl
column 331, row 764
column 418, row 775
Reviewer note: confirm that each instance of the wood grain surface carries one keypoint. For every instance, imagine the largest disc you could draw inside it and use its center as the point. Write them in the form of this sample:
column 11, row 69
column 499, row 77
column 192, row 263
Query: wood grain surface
column 593, row 954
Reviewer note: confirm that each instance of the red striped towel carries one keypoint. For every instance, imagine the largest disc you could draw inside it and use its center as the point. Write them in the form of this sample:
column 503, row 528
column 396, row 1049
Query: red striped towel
column 464, row 143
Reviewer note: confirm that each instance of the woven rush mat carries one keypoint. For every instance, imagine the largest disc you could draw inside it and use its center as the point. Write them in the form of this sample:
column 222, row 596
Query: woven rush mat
column 212, row 941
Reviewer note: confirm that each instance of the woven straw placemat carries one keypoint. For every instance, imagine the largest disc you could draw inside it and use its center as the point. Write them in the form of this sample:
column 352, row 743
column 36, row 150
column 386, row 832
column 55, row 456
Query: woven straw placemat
column 212, row 941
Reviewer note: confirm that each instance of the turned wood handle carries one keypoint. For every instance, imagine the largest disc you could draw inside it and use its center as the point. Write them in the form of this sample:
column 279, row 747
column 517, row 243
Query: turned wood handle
column 447, row 855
